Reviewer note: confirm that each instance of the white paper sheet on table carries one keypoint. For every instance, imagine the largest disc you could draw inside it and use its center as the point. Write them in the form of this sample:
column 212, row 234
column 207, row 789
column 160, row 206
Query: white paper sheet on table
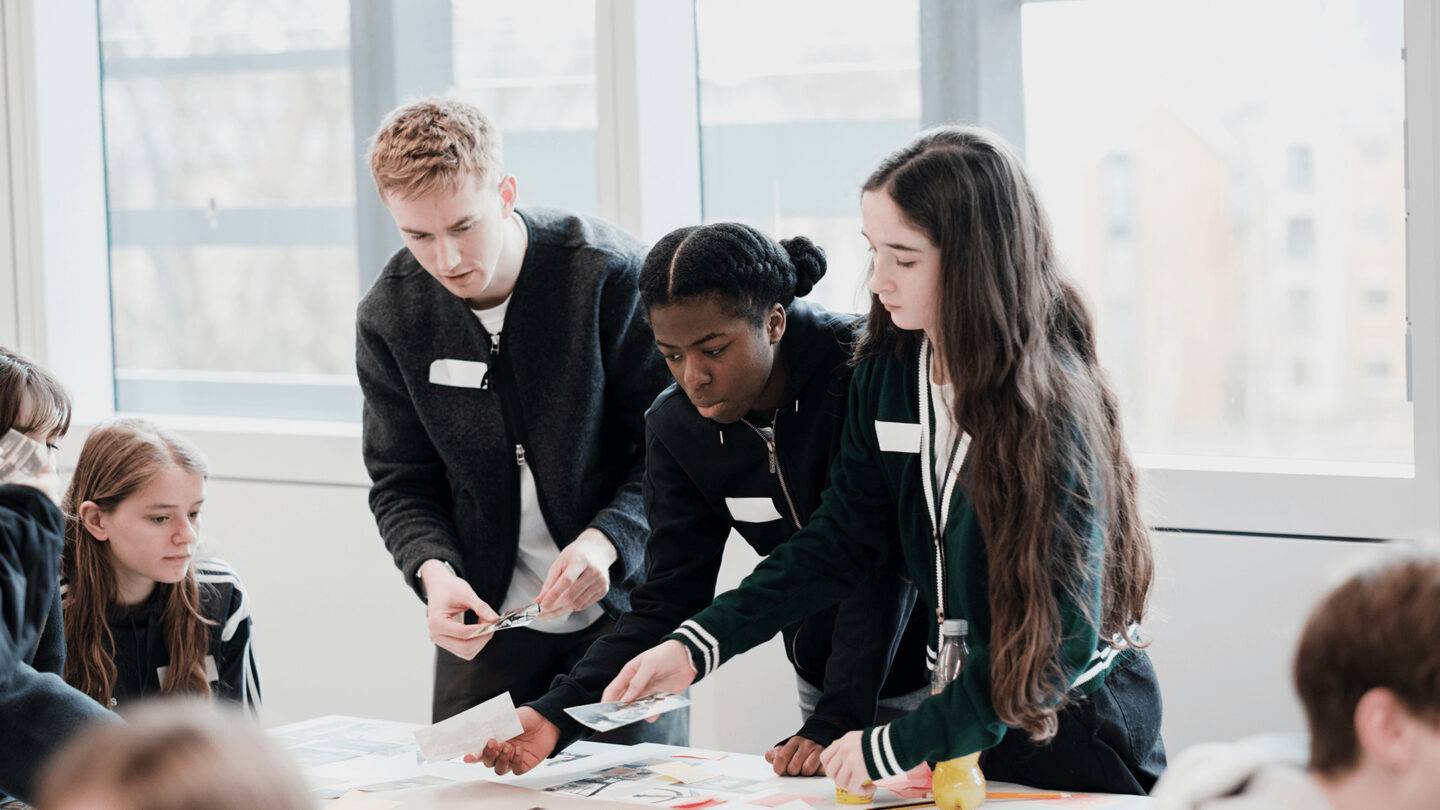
column 468, row 731
column 355, row 800
column 743, row 771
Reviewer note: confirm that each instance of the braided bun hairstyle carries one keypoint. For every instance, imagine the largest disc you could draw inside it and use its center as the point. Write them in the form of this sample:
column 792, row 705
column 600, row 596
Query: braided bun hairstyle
column 747, row 271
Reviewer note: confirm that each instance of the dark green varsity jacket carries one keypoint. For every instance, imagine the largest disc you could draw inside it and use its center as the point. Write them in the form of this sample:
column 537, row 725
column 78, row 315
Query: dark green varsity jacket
column 875, row 482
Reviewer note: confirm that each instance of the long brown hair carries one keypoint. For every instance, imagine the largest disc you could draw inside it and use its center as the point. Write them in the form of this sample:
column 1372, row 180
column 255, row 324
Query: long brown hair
column 23, row 382
column 119, row 458
column 1048, row 462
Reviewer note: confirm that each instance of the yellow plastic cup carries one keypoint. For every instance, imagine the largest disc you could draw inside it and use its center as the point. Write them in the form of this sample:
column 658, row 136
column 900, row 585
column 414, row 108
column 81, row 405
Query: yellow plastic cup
column 958, row 784
column 843, row 796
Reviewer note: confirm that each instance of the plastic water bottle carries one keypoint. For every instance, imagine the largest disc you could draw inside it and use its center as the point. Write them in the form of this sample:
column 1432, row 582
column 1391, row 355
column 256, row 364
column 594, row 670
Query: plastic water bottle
column 957, row 783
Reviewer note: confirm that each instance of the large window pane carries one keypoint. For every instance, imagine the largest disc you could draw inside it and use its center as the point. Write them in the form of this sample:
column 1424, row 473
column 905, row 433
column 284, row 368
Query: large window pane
column 531, row 67
column 231, row 192
column 1227, row 180
column 799, row 100
column 231, row 176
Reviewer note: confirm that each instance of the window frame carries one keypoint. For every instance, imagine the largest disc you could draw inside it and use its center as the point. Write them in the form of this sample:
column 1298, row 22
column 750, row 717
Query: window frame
column 1283, row 497
column 645, row 74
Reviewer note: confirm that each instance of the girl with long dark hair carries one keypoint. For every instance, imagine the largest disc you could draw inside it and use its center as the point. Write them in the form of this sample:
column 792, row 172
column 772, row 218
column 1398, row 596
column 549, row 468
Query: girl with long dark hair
column 981, row 424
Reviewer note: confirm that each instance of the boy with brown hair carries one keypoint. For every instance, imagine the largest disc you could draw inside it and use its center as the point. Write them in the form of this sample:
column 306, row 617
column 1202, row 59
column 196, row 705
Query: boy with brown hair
column 505, row 472
column 1368, row 674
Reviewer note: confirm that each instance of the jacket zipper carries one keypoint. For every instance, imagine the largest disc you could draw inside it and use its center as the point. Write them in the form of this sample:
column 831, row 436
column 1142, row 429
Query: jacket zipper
column 515, row 434
column 775, row 469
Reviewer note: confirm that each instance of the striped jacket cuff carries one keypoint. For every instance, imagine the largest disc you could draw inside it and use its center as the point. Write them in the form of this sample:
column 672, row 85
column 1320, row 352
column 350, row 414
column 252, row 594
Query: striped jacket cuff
column 1101, row 659
column 704, row 649
column 880, row 759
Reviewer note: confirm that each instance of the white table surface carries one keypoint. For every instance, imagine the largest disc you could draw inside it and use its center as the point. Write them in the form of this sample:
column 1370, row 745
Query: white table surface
column 339, row 753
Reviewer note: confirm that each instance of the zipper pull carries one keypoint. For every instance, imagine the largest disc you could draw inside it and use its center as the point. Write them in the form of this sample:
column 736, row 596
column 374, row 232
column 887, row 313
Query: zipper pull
column 519, row 455
column 494, row 345
column 767, row 435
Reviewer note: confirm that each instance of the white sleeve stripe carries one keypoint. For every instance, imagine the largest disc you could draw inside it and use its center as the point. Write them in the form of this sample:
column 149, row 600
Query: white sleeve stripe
column 1096, row 668
column 704, row 634
column 879, row 748
column 875, row 750
column 705, row 664
column 233, row 623
column 893, row 762
column 249, row 675
column 706, row 642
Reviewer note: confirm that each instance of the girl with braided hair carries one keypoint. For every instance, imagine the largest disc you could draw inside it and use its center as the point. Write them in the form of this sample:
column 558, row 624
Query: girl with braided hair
column 744, row 439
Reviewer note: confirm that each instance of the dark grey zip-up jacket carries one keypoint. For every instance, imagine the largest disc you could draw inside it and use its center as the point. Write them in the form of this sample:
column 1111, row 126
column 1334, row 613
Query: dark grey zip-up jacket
column 448, row 418
column 38, row 710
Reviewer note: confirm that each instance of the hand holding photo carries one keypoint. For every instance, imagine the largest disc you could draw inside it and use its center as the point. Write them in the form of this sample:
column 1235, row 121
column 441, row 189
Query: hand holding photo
column 495, row 719
column 614, row 714
column 517, row 617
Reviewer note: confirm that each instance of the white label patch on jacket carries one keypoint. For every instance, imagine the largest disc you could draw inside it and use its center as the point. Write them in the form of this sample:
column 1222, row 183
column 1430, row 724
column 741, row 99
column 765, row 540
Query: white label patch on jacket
column 212, row 673
column 752, row 510
column 898, row 437
column 458, row 373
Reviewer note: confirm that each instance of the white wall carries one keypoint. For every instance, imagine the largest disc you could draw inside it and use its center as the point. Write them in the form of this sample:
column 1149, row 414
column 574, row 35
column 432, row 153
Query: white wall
column 338, row 632
column 1225, row 617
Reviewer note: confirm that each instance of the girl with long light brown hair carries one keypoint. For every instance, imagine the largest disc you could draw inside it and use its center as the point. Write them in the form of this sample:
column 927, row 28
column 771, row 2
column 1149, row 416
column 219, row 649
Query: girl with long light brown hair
column 982, row 424
column 144, row 615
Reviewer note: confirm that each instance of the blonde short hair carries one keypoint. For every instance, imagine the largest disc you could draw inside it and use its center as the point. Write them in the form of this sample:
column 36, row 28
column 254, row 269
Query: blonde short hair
column 433, row 144
column 174, row 755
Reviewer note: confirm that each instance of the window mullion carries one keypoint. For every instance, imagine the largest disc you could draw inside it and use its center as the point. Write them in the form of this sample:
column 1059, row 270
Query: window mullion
column 398, row 49
column 69, row 282
column 1422, row 82
column 970, row 66
column 647, row 99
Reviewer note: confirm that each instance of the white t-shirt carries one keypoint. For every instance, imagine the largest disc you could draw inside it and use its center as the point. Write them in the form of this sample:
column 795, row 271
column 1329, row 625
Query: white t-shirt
column 537, row 550
column 942, row 400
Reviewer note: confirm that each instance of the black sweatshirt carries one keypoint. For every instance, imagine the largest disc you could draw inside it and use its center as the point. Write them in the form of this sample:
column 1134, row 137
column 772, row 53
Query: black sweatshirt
column 446, row 423
column 141, row 654
column 702, row 478
column 38, row 710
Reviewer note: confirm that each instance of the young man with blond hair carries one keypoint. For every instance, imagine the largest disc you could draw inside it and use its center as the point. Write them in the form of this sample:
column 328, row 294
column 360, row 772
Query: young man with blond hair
column 1368, row 675
column 506, row 368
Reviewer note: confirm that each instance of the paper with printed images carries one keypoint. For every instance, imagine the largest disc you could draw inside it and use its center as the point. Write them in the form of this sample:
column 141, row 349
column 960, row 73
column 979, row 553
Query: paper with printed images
column 516, row 617
column 468, row 731
column 21, row 456
column 614, row 714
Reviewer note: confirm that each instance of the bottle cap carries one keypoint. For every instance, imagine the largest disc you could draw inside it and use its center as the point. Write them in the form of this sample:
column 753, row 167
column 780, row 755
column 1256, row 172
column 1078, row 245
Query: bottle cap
column 954, row 627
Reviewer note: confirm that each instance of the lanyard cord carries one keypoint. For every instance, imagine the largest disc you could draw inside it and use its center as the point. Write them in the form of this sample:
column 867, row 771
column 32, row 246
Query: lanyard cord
column 951, row 477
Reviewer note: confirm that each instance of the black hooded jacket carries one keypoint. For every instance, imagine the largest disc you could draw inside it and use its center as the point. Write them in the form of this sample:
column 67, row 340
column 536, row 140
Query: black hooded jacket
column 702, row 479
column 141, row 656
column 38, row 711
